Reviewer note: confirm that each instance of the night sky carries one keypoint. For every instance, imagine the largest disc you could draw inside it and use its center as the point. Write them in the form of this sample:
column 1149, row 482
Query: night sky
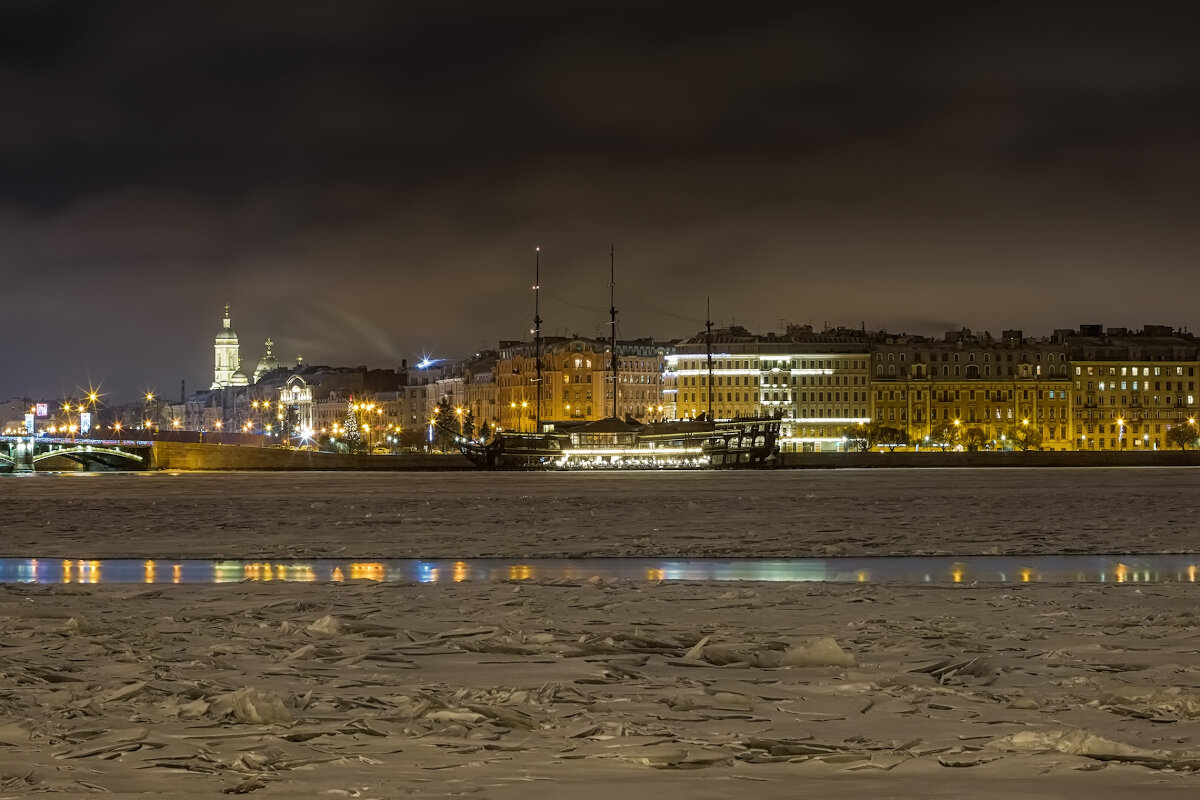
column 366, row 182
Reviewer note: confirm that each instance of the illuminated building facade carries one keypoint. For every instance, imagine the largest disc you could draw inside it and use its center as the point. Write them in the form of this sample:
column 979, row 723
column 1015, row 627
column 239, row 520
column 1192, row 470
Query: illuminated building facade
column 577, row 381
column 975, row 383
column 816, row 383
column 1130, row 388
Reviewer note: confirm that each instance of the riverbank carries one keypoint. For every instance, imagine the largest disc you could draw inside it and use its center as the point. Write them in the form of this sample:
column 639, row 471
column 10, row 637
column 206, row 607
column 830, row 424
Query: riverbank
column 1010, row 458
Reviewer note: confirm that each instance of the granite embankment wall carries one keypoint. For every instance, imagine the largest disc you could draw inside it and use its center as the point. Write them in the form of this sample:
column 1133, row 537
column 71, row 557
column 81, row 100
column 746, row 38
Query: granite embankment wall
column 1153, row 458
column 190, row 456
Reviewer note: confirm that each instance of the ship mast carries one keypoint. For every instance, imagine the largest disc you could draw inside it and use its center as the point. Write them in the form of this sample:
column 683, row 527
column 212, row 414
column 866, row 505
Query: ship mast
column 612, row 311
column 708, row 344
column 537, row 333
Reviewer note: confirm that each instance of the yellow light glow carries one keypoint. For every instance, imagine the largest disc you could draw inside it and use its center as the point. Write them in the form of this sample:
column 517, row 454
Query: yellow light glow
column 370, row 570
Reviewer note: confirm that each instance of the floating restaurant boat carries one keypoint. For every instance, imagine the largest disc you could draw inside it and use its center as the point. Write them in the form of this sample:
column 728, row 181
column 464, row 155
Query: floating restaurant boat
column 613, row 443
column 610, row 444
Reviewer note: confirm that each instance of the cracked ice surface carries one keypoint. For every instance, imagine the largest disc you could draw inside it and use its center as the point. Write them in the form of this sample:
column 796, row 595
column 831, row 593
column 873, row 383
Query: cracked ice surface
column 589, row 688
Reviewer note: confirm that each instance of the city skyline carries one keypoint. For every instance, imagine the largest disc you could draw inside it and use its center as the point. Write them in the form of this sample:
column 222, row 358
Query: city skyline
column 367, row 185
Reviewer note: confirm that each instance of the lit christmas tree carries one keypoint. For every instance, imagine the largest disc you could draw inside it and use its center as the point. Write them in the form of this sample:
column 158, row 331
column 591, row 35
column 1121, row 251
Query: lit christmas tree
column 352, row 436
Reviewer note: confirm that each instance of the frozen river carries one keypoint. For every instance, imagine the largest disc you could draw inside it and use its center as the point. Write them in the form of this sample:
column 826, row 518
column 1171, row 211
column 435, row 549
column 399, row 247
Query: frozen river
column 470, row 515
column 407, row 634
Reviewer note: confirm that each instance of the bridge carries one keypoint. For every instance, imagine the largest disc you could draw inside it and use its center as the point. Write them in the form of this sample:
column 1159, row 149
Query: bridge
column 29, row 453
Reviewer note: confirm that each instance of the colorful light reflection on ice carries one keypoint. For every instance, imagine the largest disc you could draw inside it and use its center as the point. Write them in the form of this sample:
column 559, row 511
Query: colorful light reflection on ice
column 961, row 570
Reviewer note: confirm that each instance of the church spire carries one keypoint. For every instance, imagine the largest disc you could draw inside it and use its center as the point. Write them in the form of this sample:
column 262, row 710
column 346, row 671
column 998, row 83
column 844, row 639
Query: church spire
column 226, row 360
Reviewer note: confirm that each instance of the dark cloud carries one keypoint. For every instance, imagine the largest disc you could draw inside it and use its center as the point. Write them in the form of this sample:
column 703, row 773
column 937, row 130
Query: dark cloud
column 365, row 182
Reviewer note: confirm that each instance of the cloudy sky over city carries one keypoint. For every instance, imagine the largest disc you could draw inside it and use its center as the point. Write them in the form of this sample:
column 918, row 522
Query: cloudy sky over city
column 365, row 182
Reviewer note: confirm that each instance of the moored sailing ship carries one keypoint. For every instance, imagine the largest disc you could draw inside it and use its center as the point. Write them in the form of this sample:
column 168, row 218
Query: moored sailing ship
column 611, row 443
column 615, row 443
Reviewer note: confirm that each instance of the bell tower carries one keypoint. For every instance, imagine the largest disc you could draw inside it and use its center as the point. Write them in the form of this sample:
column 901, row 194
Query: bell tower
column 225, row 354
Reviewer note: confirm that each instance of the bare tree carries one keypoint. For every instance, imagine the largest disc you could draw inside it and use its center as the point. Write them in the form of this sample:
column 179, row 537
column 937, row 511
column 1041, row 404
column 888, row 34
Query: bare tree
column 1183, row 435
column 975, row 438
column 859, row 437
column 891, row 438
column 1025, row 437
column 944, row 435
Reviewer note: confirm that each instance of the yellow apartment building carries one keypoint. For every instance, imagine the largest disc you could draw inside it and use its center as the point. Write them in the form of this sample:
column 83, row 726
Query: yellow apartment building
column 1130, row 388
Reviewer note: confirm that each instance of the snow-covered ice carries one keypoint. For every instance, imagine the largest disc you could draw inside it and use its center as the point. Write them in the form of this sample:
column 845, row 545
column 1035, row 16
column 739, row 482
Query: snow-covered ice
column 591, row 688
